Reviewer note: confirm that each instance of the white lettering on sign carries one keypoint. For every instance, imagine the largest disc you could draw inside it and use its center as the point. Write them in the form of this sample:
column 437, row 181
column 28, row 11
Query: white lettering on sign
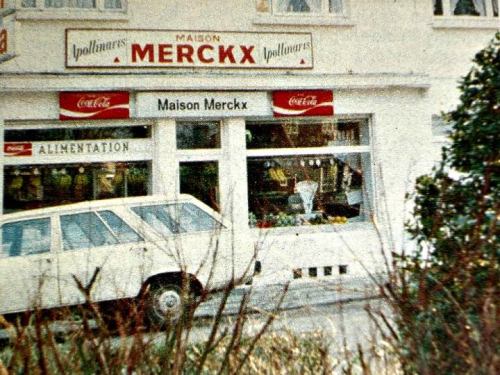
column 104, row 48
column 204, row 104
column 303, row 101
column 94, row 103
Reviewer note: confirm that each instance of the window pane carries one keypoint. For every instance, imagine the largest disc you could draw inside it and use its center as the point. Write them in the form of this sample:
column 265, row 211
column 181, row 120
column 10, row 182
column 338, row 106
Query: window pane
column 298, row 6
column 192, row 218
column 158, row 217
column 77, row 134
column 291, row 134
column 120, row 229
column 201, row 180
column 468, row 7
column 336, row 6
column 113, row 4
column 70, row 3
column 494, row 4
column 25, row 238
column 438, row 7
column 85, row 230
column 36, row 186
column 194, row 135
column 28, row 3
column 310, row 189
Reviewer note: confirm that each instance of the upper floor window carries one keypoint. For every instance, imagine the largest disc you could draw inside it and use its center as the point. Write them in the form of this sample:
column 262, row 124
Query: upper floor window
column 280, row 7
column 302, row 12
column 90, row 4
column 478, row 8
column 71, row 8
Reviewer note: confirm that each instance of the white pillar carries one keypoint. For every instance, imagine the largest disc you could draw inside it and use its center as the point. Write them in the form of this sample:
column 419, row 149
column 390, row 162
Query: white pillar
column 164, row 163
column 233, row 172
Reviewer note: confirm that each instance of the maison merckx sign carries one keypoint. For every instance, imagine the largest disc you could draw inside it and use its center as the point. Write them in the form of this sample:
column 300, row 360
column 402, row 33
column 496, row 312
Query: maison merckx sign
column 202, row 104
column 113, row 48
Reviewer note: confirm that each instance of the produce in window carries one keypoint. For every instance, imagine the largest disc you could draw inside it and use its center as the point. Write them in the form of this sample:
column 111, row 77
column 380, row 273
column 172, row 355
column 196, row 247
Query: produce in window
column 81, row 184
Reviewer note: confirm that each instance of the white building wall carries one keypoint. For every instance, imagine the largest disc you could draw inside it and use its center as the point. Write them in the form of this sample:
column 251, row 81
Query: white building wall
column 392, row 61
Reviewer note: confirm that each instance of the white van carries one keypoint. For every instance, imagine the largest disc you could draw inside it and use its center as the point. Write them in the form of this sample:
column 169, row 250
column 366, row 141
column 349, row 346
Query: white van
column 128, row 245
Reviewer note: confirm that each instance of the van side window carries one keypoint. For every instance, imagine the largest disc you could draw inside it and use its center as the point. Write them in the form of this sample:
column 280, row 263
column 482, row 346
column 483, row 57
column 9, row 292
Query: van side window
column 120, row 229
column 176, row 218
column 193, row 219
column 85, row 230
column 158, row 217
column 25, row 237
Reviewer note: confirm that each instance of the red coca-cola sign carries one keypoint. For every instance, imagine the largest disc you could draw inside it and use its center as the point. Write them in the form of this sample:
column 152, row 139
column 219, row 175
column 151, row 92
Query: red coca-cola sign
column 303, row 103
column 17, row 149
column 94, row 105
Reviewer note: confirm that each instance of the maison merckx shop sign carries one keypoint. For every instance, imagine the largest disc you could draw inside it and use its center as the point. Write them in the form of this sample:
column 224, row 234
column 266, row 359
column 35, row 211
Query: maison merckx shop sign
column 113, row 48
column 202, row 104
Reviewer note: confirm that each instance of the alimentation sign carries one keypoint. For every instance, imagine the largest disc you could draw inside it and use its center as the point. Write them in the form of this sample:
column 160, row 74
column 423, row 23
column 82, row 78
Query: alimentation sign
column 123, row 48
column 57, row 151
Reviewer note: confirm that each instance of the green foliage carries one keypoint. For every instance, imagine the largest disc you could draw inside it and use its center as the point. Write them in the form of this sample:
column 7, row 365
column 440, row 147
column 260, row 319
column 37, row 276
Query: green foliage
column 449, row 286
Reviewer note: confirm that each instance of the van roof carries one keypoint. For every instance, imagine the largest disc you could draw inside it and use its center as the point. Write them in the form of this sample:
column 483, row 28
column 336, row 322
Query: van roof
column 97, row 204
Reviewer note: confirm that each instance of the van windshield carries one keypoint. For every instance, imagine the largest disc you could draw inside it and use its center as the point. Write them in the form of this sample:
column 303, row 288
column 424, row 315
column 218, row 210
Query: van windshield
column 176, row 218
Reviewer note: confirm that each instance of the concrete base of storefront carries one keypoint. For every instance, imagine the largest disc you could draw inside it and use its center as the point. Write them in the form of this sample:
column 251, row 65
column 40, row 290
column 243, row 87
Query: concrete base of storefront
column 263, row 296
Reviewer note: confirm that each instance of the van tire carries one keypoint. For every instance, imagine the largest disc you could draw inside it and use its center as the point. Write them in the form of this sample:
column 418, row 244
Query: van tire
column 167, row 303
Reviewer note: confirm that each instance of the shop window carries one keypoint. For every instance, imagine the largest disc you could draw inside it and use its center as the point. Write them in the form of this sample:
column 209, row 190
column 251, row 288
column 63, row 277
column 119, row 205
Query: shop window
column 25, row 237
column 293, row 134
column 201, row 180
column 198, row 135
column 479, row 8
column 76, row 134
column 303, row 173
column 36, row 186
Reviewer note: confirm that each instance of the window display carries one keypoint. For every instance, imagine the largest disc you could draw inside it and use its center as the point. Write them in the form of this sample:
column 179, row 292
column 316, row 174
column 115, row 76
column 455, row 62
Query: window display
column 36, row 186
column 195, row 135
column 301, row 187
column 201, row 180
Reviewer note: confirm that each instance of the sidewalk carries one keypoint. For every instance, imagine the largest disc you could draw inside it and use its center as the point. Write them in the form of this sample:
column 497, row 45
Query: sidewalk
column 301, row 292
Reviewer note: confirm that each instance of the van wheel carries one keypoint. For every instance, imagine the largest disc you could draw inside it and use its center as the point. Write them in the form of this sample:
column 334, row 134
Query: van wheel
column 167, row 303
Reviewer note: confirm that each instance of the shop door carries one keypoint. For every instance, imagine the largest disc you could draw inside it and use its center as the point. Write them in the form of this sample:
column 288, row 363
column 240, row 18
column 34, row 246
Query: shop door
column 28, row 277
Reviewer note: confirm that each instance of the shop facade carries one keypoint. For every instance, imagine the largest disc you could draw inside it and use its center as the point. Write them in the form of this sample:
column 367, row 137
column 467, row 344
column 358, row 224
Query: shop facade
column 313, row 158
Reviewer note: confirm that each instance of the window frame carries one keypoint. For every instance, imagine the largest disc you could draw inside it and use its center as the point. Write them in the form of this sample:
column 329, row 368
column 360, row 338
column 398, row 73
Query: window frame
column 450, row 20
column 368, row 186
column 274, row 17
column 183, row 155
column 39, row 11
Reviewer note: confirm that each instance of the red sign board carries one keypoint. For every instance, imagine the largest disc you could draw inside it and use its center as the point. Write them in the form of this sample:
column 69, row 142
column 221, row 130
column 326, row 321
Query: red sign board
column 303, row 103
column 18, row 149
column 94, row 105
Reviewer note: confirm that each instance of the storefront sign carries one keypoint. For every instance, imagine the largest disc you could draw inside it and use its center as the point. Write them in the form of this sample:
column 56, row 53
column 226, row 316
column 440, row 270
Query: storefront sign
column 7, row 24
column 18, row 149
column 64, row 150
column 112, row 48
column 303, row 103
column 93, row 105
column 202, row 104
